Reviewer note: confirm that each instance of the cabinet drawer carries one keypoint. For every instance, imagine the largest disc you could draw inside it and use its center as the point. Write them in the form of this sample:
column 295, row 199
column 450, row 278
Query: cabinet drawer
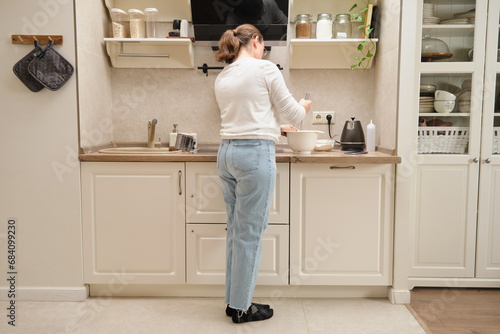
column 206, row 255
column 205, row 203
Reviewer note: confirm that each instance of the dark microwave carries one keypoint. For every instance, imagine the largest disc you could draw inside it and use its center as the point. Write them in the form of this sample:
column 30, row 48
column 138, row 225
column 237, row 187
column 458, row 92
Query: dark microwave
column 211, row 18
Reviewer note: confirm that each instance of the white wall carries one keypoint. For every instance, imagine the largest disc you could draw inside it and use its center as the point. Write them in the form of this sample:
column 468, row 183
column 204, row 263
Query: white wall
column 39, row 169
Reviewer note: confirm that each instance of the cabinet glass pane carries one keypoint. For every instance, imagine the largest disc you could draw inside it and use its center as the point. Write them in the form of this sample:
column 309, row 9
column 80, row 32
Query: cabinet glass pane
column 448, row 30
column 496, row 119
column 443, row 122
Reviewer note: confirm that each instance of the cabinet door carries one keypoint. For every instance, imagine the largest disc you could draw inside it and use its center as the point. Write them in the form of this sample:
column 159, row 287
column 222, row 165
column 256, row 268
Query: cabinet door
column 341, row 224
column 205, row 204
column 445, row 222
column 488, row 226
column 133, row 222
column 206, row 255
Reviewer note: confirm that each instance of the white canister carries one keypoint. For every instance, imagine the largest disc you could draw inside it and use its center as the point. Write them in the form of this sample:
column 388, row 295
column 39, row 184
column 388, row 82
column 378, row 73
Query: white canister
column 184, row 28
column 324, row 26
column 151, row 17
column 137, row 23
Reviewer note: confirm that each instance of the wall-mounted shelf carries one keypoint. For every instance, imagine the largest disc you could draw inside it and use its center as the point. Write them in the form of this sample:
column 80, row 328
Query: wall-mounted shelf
column 150, row 52
column 168, row 10
column 324, row 54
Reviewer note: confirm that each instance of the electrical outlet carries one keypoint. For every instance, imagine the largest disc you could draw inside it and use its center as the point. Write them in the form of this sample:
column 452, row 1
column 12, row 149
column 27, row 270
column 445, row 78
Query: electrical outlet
column 319, row 117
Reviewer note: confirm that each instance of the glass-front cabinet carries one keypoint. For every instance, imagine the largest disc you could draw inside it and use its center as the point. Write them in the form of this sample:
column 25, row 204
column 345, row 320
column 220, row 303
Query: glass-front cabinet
column 448, row 130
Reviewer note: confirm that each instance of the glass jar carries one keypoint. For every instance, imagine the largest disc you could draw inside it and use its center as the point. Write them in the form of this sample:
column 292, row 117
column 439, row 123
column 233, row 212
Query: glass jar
column 342, row 26
column 324, row 26
column 151, row 17
column 119, row 18
column 137, row 23
column 303, row 26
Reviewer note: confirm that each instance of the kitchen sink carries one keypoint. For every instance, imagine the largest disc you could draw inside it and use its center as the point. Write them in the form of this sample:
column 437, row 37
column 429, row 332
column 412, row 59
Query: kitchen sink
column 137, row 150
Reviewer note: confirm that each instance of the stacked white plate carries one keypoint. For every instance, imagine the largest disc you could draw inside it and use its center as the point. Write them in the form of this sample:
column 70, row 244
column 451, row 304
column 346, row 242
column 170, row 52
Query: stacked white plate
column 426, row 104
column 470, row 14
column 429, row 17
column 456, row 21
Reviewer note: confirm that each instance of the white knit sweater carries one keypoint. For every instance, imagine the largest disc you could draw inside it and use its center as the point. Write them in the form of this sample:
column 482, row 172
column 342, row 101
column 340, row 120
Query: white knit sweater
column 252, row 94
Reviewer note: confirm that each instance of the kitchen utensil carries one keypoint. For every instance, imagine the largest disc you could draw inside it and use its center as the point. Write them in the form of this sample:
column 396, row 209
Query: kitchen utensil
column 305, row 98
column 302, row 141
column 324, row 145
column 50, row 69
column 21, row 70
column 353, row 137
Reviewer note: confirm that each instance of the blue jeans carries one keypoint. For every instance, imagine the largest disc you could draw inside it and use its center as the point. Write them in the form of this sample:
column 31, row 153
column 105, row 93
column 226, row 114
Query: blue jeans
column 247, row 169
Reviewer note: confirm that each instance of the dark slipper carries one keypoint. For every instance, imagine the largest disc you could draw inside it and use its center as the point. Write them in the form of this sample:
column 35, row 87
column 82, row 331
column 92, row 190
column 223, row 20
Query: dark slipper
column 229, row 310
column 254, row 313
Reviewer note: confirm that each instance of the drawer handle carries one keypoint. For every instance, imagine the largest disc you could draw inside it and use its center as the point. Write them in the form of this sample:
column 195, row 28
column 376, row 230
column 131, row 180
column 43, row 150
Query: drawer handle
column 180, row 183
column 342, row 167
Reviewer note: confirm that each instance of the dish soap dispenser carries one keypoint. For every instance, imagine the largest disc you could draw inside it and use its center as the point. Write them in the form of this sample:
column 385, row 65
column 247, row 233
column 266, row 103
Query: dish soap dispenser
column 173, row 138
column 370, row 137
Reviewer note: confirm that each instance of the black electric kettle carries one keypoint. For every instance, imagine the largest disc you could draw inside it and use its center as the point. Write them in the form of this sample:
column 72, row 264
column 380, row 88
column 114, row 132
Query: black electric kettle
column 353, row 138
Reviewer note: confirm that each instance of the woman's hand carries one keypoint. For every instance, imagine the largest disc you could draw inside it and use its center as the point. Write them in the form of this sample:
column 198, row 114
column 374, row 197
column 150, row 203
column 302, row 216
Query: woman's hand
column 306, row 104
column 287, row 127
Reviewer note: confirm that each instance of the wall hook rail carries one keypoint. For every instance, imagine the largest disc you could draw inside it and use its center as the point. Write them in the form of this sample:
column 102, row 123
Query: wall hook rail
column 205, row 68
column 43, row 39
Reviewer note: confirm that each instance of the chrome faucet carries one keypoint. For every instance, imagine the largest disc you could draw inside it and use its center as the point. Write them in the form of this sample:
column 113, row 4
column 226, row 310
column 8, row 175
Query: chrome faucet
column 151, row 132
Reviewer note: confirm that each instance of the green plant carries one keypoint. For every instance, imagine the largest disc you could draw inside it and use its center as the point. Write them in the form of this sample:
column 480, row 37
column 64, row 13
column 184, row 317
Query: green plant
column 367, row 47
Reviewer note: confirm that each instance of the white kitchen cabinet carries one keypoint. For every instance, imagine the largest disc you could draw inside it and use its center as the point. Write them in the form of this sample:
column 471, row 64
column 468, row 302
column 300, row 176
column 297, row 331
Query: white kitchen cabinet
column 205, row 204
column 447, row 193
column 206, row 255
column 341, row 224
column 133, row 222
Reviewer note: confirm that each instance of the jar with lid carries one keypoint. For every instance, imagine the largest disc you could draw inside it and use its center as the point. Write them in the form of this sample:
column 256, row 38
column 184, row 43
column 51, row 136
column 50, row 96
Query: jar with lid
column 303, row 26
column 119, row 18
column 324, row 26
column 137, row 23
column 151, row 16
column 342, row 26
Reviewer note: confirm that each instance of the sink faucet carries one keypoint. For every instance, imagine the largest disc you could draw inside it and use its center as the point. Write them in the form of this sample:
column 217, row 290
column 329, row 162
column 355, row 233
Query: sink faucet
column 151, row 132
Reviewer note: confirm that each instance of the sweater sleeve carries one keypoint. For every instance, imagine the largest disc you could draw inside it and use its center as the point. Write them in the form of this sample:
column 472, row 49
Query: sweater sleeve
column 291, row 112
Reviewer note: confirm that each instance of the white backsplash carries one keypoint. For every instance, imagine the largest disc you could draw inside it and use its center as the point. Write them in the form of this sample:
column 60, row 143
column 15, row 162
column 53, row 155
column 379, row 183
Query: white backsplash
column 186, row 97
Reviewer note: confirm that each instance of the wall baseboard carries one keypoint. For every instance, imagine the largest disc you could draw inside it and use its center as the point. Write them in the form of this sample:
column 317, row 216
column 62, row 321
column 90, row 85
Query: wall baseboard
column 398, row 296
column 47, row 294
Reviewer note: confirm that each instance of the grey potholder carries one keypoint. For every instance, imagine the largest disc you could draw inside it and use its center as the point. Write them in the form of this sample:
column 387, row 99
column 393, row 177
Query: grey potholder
column 50, row 68
column 21, row 70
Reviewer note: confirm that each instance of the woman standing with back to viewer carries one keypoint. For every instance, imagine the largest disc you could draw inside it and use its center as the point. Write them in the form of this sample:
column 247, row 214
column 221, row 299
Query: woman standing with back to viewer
column 248, row 91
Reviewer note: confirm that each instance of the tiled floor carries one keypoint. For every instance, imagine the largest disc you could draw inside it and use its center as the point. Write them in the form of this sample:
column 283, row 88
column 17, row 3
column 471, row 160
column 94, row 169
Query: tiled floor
column 206, row 316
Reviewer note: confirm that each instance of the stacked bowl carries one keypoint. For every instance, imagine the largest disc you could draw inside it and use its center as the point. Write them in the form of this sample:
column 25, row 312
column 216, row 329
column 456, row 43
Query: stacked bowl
column 444, row 102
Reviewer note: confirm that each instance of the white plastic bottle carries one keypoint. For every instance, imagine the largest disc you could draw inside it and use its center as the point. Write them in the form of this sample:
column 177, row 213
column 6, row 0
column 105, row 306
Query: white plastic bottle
column 173, row 138
column 370, row 137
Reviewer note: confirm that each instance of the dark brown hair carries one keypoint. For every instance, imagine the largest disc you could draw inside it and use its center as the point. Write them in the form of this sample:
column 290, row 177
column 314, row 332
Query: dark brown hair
column 232, row 40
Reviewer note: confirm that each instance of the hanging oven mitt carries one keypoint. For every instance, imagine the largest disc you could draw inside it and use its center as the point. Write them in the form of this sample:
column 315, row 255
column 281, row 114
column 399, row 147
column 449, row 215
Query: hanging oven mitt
column 21, row 70
column 50, row 68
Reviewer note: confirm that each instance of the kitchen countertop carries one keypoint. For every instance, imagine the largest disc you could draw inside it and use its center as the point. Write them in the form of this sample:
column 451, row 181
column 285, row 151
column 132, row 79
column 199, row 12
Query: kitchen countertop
column 208, row 153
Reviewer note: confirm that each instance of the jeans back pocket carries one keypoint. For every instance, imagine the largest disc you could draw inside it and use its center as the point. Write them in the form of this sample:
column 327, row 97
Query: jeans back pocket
column 246, row 155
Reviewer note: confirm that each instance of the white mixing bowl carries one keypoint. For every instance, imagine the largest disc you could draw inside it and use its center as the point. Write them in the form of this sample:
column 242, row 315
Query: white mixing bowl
column 302, row 141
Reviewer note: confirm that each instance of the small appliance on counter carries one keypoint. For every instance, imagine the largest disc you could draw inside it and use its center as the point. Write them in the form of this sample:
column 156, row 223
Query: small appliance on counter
column 353, row 137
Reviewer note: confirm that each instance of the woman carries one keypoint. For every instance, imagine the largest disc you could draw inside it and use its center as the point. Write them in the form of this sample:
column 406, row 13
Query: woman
column 248, row 91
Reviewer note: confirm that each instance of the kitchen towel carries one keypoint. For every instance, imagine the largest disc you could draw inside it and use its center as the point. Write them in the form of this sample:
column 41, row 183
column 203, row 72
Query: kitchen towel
column 21, row 70
column 50, row 69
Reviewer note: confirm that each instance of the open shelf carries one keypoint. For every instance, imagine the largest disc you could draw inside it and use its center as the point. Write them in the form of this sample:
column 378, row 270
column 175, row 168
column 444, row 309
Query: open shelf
column 150, row 52
column 324, row 53
column 168, row 10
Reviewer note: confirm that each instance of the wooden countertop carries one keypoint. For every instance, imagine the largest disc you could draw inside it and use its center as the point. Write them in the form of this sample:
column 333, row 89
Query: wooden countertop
column 208, row 153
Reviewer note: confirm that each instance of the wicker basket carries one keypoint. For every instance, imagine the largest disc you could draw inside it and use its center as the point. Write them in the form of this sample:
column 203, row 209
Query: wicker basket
column 496, row 139
column 446, row 139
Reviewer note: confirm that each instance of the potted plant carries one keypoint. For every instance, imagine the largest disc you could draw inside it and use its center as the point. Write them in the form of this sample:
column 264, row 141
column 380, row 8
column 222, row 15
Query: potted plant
column 367, row 47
